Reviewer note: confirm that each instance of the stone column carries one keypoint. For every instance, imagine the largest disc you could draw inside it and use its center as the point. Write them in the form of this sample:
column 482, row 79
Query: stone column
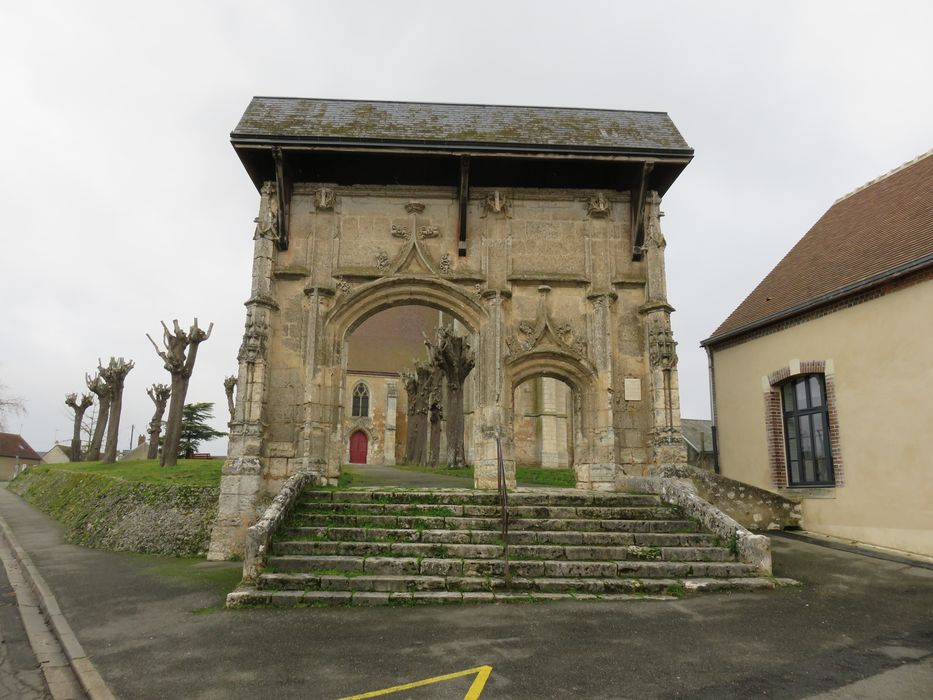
column 242, row 474
column 323, row 438
column 552, row 428
column 391, row 416
column 491, row 418
column 667, row 444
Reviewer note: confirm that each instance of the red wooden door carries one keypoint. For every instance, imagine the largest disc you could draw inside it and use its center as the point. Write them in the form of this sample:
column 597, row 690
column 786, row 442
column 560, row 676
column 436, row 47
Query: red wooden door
column 358, row 444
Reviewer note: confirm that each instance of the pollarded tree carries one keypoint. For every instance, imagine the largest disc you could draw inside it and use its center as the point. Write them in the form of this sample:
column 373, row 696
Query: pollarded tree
column 230, row 389
column 181, row 350
column 98, row 386
column 159, row 394
column 79, row 407
column 454, row 358
column 194, row 427
column 115, row 375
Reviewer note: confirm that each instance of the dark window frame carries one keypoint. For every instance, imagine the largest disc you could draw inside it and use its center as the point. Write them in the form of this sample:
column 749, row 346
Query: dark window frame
column 792, row 417
column 360, row 403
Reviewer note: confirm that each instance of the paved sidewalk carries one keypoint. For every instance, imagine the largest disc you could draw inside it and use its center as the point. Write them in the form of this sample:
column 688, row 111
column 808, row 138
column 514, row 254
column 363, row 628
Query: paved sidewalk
column 157, row 634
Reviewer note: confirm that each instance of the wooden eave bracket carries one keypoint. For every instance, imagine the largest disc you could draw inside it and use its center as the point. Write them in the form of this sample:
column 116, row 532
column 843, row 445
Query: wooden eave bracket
column 463, row 196
column 283, row 189
column 638, row 210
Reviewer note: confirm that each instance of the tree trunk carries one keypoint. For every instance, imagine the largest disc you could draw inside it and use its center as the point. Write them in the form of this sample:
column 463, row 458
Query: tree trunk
column 99, row 386
column 79, row 409
column 455, row 359
column 173, row 423
column 115, row 374
column 455, row 452
column 435, row 448
column 159, row 394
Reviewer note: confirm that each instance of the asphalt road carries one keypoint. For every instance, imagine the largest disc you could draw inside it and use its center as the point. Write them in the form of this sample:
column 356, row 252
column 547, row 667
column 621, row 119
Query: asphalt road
column 20, row 675
column 858, row 627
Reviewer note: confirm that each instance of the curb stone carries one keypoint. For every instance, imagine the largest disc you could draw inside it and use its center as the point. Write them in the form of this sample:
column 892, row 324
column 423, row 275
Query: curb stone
column 80, row 663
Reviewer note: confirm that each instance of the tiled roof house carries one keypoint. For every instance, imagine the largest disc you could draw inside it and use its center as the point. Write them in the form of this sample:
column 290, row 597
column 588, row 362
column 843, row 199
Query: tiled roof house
column 822, row 376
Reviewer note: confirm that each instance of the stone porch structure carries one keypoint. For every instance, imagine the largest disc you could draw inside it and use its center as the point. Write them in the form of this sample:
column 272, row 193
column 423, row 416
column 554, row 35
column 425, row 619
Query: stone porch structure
column 537, row 229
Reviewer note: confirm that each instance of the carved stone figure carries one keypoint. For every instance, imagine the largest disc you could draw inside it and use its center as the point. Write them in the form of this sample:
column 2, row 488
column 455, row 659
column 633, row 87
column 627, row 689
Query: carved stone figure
column 444, row 264
column 598, row 206
column 343, row 286
column 268, row 220
column 324, row 199
column 382, row 261
column 414, row 207
column 497, row 203
column 662, row 349
column 253, row 346
column 400, row 231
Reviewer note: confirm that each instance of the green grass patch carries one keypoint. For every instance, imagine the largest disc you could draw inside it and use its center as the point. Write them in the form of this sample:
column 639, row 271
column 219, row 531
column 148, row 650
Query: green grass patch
column 440, row 470
column 188, row 472
column 525, row 476
column 536, row 476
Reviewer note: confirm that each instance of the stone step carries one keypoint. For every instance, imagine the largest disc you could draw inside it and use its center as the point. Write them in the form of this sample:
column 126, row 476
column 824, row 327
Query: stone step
column 418, row 583
column 247, row 598
column 516, row 537
column 495, row 551
column 464, row 523
column 555, row 497
column 516, row 512
column 533, row 590
column 431, row 566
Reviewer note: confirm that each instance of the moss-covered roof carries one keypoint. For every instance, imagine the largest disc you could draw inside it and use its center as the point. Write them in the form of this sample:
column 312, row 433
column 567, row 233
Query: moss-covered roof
column 281, row 119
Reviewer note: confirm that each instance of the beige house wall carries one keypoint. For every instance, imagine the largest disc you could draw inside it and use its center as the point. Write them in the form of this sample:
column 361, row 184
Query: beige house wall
column 11, row 466
column 879, row 353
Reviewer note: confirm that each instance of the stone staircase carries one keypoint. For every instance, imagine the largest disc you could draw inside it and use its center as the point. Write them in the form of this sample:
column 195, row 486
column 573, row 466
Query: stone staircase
column 379, row 546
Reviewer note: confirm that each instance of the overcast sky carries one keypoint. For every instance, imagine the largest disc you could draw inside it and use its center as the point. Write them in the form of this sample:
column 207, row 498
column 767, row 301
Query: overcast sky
column 124, row 203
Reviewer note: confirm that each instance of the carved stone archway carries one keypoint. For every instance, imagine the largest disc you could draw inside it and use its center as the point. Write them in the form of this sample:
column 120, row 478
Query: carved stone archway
column 348, row 312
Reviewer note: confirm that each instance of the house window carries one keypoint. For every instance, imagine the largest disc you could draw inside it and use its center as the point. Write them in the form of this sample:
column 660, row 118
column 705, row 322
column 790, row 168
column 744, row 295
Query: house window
column 360, row 401
column 806, row 431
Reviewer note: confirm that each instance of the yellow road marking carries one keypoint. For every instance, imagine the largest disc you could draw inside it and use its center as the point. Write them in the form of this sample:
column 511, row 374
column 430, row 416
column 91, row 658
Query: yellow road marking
column 476, row 688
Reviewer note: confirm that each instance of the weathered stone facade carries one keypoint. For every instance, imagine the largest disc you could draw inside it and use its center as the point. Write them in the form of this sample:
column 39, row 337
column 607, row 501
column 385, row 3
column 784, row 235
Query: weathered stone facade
column 563, row 281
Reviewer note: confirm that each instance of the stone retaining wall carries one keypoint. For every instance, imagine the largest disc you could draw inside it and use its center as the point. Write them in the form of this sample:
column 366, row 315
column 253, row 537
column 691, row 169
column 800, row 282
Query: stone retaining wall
column 107, row 513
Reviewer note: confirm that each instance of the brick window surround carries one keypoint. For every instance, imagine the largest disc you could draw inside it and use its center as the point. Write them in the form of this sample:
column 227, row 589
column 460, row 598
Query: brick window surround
column 774, row 420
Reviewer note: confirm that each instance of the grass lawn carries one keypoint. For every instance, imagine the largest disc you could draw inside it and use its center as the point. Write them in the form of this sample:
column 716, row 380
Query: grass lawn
column 525, row 476
column 188, row 472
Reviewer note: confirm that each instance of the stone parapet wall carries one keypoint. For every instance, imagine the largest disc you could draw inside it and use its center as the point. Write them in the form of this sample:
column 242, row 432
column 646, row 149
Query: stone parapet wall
column 749, row 548
column 107, row 513
column 753, row 507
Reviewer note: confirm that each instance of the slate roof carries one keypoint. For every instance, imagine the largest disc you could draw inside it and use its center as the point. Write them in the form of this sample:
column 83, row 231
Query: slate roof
column 698, row 432
column 13, row 445
column 283, row 119
column 879, row 231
